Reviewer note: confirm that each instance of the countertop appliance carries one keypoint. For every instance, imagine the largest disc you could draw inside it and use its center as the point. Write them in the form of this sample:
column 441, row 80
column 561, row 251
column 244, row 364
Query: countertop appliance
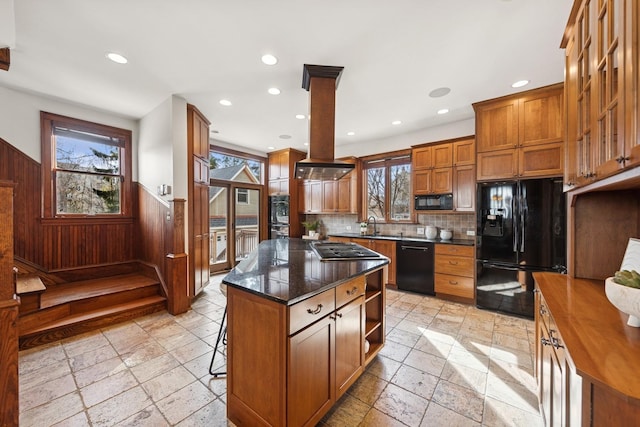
column 433, row 202
column 414, row 266
column 278, row 217
column 342, row 251
column 520, row 230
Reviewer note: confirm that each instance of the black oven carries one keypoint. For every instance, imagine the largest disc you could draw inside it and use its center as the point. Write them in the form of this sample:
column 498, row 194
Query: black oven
column 436, row 202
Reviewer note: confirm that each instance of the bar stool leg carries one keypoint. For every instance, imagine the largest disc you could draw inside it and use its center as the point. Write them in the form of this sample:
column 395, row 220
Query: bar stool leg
column 222, row 337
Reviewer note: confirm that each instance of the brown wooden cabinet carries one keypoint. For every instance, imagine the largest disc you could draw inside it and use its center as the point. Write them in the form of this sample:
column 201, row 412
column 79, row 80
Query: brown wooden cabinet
column 310, row 197
column 464, row 152
column 307, row 355
column 454, row 270
column 521, row 135
column 431, row 166
column 386, row 248
column 464, row 188
column 198, row 202
column 281, row 169
column 328, row 197
column 601, row 79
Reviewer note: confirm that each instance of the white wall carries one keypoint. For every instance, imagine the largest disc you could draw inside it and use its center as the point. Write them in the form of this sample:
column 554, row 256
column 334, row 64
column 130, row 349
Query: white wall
column 20, row 120
column 401, row 142
column 156, row 149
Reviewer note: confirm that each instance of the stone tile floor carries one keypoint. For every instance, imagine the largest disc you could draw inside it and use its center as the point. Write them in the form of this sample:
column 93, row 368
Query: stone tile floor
column 444, row 364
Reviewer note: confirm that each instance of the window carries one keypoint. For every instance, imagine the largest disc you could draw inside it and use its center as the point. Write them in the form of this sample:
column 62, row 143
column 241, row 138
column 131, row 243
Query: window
column 228, row 165
column 85, row 167
column 387, row 180
column 242, row 196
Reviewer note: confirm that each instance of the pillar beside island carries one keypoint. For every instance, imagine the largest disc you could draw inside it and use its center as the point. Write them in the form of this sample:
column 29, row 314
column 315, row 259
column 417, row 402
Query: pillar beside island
column 297, row 328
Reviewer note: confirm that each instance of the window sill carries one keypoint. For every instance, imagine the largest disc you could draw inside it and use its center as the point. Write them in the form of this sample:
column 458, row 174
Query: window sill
column 87, row 219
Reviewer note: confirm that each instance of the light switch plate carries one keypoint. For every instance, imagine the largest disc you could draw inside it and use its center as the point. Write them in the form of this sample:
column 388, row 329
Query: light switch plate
column 420, row 230
column 471, row 233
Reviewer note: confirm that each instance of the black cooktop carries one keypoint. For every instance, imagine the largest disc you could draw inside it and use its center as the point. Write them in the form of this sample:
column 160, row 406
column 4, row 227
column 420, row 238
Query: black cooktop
column 339, row 251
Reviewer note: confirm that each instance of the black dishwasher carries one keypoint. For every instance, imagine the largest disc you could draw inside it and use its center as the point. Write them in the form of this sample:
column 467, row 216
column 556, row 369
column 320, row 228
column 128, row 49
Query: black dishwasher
column 414, row 266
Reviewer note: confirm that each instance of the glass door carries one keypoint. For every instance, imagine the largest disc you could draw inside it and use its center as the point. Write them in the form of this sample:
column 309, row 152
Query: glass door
column 246, row 221
column 234, row 223
column 219, row 228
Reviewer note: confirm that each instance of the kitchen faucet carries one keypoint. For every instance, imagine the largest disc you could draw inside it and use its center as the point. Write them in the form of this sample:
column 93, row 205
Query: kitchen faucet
column 375, row 229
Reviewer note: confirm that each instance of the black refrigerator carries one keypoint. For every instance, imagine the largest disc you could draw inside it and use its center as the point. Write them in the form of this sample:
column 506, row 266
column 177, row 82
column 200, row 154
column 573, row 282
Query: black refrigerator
column 521, row 229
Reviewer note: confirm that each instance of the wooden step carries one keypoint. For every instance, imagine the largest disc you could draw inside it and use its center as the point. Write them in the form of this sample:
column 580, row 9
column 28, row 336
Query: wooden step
column 85, row 289
column 77, row 307
column 78, row 323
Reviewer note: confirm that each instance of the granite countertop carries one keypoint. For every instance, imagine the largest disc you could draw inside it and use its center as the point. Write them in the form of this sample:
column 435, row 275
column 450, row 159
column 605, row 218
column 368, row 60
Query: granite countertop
column 409, row 238
column 288, row 271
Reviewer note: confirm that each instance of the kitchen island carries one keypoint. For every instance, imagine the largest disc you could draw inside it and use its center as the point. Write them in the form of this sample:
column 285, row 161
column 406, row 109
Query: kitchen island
column 300, row 331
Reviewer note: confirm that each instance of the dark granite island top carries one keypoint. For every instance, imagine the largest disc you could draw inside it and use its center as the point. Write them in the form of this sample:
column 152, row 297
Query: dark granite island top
column 288, row 271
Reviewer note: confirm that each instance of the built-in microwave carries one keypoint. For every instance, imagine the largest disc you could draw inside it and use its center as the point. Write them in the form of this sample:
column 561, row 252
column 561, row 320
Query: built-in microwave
column 435, row 202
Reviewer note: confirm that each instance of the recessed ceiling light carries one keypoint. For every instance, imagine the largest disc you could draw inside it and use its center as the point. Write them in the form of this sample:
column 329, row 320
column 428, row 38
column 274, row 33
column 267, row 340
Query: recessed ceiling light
column 351, row 133
column 214, row 131
column 306, row 143
column 300, row 116
column 285, row 137
column 271, row 148
column 116, row 57
column 520, row 83
column 225, row 102
column 443, row 111
column 274, row 91
column 269, row 59
column 396, row 122
column 441, row 91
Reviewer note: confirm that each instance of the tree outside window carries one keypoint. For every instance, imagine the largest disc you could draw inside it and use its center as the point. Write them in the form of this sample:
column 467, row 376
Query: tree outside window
column 88, row 164
column 388, row 186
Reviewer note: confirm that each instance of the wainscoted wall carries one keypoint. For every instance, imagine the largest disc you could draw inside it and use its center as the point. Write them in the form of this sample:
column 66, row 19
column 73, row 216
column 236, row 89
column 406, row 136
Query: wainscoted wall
column 459, row 223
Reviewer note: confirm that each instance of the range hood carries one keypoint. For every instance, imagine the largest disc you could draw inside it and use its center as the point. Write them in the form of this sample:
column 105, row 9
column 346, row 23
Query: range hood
column 321, row 81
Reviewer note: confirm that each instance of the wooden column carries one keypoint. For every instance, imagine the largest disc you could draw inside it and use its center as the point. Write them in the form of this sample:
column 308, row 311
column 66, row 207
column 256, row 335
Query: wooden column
column 5, row 59
column 176, row 261
column 9, row 302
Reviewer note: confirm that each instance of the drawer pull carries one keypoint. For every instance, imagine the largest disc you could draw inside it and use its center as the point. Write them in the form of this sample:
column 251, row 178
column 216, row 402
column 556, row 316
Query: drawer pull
column 453, row 282
column 545, row 341
column 352, row 291
column 453, row 262
column 543, row 310
column 316, row 311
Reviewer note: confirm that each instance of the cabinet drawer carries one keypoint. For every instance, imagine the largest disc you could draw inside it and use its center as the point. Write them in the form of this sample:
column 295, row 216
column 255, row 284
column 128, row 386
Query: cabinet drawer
column 456, row 265
column 459, row 250
column 310, row 310
column 349, row 290
column 454, row 285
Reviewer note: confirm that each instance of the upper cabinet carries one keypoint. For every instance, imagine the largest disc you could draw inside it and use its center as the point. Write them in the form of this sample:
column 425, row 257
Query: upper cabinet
column 431, row 166
column 601, row 79
column 330, row 197
column 446, row 167
column 521, row 135
column 281, row 167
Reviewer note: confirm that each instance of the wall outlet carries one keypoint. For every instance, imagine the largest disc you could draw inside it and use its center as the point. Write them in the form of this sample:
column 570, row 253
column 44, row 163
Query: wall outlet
column 471, row 232
column 420, row 231
column 348, row 227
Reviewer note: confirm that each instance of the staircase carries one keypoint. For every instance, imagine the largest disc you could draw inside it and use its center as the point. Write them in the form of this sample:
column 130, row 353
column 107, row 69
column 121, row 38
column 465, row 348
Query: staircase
column 54, row 312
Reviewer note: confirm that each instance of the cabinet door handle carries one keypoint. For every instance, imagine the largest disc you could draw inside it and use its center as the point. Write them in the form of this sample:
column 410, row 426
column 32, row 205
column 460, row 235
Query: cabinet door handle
column 543, row 310
column 316, row 311
column 545, row 341
column 336, row 316
column 352, row 291
column 554, row 340
column 453, row 262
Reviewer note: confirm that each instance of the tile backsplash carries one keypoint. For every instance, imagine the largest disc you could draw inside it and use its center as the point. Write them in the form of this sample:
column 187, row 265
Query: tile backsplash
column 458, row 223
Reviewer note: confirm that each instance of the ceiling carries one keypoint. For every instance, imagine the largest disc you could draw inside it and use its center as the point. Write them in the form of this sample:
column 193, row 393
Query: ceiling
column 394, row 53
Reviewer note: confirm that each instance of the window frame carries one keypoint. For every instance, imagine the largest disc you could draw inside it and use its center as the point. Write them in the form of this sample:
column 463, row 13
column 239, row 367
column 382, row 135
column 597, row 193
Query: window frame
column 386, row 160
column 48, row 122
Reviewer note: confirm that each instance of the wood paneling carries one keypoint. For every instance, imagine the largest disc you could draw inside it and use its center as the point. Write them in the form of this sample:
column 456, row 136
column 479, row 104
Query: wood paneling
column 19, row 168
column 9, row 407
column 151, row 243
column 5, row 59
